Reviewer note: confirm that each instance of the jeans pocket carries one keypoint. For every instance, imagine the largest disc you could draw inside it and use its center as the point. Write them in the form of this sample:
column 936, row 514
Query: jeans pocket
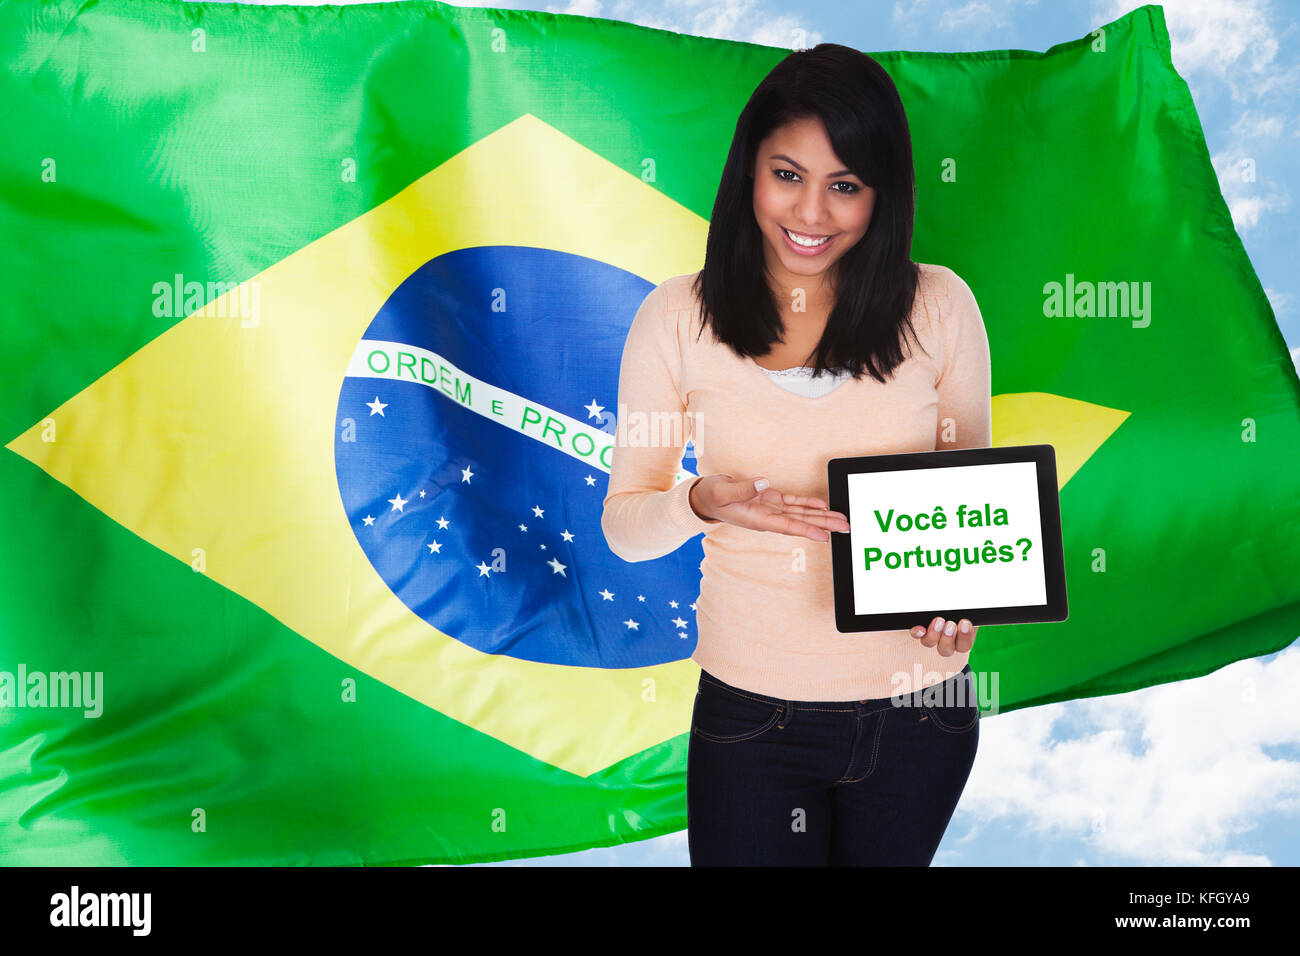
column 953, row 719
column 726, row 716
column 953, row 707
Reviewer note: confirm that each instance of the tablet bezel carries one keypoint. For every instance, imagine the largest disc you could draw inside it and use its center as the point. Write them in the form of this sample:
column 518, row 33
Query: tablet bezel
column 1049, row 511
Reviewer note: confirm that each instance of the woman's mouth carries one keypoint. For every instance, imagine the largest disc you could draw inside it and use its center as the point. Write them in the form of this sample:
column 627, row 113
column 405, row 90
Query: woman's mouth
column 804, row 244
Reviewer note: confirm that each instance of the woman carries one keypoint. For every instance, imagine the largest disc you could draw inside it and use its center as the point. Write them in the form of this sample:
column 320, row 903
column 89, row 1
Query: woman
column 807, row 746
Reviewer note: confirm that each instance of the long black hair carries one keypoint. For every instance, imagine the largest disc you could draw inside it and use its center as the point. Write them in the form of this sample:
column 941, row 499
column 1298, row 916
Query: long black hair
column 875, row 282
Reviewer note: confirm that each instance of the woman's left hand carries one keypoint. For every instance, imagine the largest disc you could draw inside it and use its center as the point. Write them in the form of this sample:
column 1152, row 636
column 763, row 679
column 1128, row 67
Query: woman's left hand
column 948, row 635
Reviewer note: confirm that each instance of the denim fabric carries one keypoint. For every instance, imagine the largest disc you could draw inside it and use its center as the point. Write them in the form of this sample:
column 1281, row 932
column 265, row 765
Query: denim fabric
column 773, row 782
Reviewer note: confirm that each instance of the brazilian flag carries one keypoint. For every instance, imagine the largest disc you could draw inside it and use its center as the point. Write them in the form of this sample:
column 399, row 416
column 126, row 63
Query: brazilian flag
column 312, row 321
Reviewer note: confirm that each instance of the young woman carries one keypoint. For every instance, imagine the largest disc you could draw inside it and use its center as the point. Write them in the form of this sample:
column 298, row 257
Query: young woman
column 807, row 746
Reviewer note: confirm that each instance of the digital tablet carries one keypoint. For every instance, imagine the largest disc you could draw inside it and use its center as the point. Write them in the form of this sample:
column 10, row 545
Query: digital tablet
column 968, row 533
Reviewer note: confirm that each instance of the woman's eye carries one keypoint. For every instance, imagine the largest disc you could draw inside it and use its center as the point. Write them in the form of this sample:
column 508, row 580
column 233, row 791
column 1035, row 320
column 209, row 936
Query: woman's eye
column 793, row 177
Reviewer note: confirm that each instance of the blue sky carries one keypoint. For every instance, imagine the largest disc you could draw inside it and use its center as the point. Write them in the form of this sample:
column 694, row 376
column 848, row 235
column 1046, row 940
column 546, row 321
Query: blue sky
column 1202, row 772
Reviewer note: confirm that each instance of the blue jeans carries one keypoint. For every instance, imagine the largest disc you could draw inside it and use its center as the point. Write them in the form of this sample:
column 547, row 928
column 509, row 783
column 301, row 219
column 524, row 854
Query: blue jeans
column 773, row 782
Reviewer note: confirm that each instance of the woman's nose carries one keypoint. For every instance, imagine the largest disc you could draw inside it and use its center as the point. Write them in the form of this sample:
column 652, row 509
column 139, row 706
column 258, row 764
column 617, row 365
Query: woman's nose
column 809, row 211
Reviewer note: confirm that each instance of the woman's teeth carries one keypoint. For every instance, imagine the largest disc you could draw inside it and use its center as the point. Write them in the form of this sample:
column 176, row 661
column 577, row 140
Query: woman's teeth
column 803, row 241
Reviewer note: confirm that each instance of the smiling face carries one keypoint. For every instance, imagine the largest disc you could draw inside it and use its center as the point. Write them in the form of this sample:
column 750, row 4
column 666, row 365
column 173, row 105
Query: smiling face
column 800, row 185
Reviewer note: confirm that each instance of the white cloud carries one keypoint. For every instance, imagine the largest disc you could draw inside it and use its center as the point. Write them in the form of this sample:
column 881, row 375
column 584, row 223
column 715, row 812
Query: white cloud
column 740, row 20
column 1169, row 775
column 971, row 16
column 1253, row 125
column 973, row 20
column 581, row 8
column 1243, row 169
column 783, row 31
column 1233, row 41
column 1280, row 301
column 1245, row 202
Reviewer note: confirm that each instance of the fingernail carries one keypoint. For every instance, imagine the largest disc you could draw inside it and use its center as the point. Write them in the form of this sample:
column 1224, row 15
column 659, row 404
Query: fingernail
column 938, row 624
column 761, row 484
column 950, row 628
column 965, row 627
column 919, row 632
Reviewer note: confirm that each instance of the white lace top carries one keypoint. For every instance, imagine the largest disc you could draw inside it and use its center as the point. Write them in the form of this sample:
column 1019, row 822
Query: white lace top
column 800, row 380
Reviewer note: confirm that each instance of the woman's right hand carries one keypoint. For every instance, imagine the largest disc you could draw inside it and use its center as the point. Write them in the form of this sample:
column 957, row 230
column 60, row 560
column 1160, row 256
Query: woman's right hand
column 751, row 503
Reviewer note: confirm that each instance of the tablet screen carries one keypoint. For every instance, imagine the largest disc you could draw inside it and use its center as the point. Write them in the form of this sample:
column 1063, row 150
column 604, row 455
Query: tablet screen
column 971, row 533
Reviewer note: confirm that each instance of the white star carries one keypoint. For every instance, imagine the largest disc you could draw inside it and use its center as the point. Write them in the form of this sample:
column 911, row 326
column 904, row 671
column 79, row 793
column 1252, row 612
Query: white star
column 678, row 622
column 607, row 594
column 692, row 605
column 523, row 527
column 567, row 536
column 442, row 524
column 672, row 604
column 465, row 475
column 683, row 635
column 435, row 548
column 397, row 502
column 421, row 492
column 591, row 480
column 558, row 567
column 537, row 511
column 377, row 407
column 368, row 520
column 542, row 546
column 632, row 624
column 594, row 410
column 483, row 569
column 640, row 597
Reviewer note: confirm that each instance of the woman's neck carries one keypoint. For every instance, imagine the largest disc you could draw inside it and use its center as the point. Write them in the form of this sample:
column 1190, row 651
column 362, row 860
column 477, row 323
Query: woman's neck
column 814, row 296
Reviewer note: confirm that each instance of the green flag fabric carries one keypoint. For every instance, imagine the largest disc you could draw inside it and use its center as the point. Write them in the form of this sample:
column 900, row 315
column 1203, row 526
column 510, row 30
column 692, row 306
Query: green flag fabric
column 312, row 322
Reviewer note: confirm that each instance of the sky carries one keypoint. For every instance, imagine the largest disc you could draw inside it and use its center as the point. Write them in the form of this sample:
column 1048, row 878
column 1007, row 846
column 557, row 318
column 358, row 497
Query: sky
column 1202, row 772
